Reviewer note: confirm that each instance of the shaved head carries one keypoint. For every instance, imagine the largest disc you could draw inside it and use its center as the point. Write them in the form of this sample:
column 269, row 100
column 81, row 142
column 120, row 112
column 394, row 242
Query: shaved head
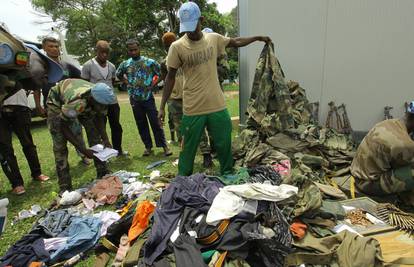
column 102, row 45
column 102, row 51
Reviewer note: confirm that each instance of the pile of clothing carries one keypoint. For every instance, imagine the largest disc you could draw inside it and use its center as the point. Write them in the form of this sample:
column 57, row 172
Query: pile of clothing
column 68, row 227
column 254, row 219
column 190, row 226
column 281, row 127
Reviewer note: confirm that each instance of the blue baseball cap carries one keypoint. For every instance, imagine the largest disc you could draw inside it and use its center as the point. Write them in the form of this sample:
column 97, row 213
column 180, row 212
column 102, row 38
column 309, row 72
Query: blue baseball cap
column 189, row 14
column 207, row 30
column 410, row 108
column 103, row 94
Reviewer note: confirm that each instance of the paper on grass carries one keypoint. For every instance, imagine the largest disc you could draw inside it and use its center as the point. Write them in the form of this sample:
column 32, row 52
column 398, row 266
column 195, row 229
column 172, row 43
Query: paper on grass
column 104, row 153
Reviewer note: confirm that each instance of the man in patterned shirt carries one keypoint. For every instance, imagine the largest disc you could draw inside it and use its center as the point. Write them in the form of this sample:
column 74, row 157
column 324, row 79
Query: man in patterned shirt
column 71, row 101
column 140, row 74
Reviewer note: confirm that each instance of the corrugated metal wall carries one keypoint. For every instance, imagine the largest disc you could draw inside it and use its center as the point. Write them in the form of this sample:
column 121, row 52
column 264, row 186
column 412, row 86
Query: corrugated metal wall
column 357, row 52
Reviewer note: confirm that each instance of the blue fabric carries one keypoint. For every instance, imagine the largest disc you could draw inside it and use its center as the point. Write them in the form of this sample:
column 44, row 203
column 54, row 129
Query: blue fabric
column 410, row 108
column 103, row 94
column 29, row 248
column 140, row 73
column 189, row 13
column 83, row 233
column 207, row 30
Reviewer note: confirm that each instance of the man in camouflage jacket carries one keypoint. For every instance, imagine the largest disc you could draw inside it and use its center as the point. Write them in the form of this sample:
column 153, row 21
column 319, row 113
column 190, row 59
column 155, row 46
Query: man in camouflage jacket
column 73, row 100
column 384, row 162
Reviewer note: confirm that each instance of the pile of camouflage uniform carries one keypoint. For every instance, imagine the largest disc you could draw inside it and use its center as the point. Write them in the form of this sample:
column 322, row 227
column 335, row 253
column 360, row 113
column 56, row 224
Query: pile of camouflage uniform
column 281, row 126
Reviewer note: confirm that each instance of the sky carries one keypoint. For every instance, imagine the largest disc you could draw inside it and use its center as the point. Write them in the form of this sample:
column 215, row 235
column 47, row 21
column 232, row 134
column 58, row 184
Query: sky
column 21, row 18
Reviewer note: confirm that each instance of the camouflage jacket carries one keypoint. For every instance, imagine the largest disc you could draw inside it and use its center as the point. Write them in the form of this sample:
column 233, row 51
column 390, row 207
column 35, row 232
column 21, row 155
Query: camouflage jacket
column 69, row 99
column 387, row 146
column 280, row 126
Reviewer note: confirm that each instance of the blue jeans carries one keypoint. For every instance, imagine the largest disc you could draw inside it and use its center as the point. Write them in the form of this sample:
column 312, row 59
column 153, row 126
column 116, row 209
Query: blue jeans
column 144, row 111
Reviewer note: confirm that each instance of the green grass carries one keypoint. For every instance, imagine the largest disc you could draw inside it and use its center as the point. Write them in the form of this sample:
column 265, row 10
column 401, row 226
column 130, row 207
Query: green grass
column 43, row 193
column 231, row 87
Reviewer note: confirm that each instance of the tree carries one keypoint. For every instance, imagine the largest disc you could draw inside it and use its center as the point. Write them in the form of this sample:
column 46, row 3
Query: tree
column 87, row 21
column 232, row 29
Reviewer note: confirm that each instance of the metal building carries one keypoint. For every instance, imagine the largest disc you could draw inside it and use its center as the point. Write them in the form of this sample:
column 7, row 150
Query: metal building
column 357, row 52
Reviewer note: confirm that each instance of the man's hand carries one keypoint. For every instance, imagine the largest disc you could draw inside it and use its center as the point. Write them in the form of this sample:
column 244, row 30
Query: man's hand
column 106, row 143
column 125, row 79
column 88, row 153
column 161, row 116
column 265, row 39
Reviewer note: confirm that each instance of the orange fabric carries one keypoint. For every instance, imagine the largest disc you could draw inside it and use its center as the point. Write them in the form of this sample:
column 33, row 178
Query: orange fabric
column 141, row 219
column 298, row 229
column 36, row 264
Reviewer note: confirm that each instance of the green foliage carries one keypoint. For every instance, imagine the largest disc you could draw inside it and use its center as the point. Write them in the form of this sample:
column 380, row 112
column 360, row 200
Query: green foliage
column 87, row 21
column 234, row 69
column 232, row 30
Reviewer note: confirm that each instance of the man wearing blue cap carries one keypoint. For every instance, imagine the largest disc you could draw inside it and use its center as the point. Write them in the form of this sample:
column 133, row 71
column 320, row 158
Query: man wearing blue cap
column 196, row 54
column 75, row 100
column 384, row 161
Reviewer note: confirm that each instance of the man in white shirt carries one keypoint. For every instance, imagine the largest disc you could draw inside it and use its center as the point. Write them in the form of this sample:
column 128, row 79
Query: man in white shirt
column 100, row 70
column 15, row 117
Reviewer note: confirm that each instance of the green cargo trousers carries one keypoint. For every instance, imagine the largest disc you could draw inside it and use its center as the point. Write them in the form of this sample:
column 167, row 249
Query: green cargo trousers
column 192, row 127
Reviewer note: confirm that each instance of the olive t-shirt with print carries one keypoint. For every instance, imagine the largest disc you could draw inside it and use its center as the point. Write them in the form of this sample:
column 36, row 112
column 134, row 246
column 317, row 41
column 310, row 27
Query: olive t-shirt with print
column 198, row 61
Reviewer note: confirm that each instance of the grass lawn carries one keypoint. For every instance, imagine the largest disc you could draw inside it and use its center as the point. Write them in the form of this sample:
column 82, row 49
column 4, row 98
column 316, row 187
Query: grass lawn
column 43, row 193
column 231, row 87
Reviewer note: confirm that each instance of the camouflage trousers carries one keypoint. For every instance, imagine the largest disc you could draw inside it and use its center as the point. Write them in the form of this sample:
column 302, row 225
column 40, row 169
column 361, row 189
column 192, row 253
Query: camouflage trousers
column 60, row 148
column 76, row 128
column 397, row 180
column 175, row 114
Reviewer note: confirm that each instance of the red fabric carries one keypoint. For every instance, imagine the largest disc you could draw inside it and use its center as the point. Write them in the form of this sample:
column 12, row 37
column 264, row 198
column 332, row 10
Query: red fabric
column 298, row 229
column 141, row 219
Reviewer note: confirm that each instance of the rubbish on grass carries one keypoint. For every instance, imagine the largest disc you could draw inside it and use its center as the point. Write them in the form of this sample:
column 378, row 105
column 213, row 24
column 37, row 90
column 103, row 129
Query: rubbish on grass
column 155, row 164
column 154, row 175
column 3, row 213
column 24, row 214
column 104, row 153
column 175, row 163
column 70, row 198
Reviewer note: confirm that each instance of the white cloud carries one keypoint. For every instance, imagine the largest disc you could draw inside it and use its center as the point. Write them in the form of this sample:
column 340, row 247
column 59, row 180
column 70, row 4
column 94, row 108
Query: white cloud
column 20, row 18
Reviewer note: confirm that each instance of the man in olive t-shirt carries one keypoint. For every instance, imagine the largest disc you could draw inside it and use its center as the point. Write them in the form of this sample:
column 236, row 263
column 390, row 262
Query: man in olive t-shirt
column 196, row 54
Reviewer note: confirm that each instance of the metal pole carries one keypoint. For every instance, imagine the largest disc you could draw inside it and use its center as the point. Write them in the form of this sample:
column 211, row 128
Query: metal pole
column 244, row 83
